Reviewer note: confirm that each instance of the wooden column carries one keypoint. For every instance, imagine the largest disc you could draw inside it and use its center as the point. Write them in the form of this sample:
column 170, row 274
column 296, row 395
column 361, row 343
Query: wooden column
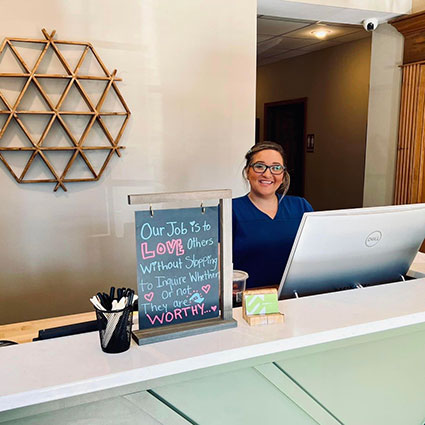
column 410, row 136
column 409, row 184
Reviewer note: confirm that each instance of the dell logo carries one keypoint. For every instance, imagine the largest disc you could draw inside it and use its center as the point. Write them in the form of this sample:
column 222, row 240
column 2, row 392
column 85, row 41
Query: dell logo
column 373, row 238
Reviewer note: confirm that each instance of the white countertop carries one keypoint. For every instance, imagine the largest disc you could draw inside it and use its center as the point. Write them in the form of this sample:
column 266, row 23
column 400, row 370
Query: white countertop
column 53, row 369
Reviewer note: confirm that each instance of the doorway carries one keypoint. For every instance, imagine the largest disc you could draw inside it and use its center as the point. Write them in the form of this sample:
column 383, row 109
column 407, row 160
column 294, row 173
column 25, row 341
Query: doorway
column 284, row 123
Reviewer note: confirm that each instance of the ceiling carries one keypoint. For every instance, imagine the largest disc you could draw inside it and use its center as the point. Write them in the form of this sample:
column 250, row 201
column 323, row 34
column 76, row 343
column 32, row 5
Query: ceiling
column 283, row 38
column 284, row 27
column 314, row 10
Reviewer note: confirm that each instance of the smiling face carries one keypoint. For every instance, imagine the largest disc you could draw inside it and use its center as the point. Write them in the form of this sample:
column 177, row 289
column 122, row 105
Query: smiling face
column 265, row 184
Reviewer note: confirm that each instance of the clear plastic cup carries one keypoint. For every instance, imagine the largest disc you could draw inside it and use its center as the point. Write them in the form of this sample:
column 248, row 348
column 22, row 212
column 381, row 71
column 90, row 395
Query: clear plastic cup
column 239, row 285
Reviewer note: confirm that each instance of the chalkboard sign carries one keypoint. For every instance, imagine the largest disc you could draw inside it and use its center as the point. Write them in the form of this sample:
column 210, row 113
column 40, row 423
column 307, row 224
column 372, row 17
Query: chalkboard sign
column 177, row 266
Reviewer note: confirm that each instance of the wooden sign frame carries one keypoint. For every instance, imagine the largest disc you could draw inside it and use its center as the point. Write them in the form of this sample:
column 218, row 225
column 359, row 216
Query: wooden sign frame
column 225, row 319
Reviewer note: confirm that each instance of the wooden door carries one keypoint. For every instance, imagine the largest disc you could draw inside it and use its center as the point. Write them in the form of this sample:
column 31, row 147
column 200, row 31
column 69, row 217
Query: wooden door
column 284, row 123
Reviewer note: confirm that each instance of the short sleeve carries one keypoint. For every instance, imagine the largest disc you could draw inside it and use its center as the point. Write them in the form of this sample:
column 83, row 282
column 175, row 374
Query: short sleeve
column 307, row 206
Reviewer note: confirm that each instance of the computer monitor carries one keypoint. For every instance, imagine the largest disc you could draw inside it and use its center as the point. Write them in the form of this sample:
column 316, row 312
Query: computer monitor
column 342, row 249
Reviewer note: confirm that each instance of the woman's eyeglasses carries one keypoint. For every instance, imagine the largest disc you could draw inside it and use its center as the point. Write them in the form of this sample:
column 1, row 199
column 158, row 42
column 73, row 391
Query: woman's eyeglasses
column 261, row 168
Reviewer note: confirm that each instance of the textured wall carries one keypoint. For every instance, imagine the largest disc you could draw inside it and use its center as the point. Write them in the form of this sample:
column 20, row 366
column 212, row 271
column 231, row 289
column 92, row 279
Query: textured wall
column 188, row 70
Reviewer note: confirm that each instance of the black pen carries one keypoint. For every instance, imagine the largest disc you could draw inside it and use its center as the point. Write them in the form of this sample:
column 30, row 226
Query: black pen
column 101, row 300
column 108, row 301
column 130, row 298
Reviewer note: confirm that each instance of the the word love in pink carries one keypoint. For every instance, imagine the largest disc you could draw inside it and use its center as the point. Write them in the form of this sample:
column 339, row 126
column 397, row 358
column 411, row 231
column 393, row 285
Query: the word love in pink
column 174, row 246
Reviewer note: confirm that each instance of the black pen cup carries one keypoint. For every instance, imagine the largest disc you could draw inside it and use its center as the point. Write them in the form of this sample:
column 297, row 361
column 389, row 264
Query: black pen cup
column 115, row 329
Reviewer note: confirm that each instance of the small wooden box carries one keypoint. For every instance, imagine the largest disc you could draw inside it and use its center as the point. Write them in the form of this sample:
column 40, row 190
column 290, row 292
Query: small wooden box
column 260, row 319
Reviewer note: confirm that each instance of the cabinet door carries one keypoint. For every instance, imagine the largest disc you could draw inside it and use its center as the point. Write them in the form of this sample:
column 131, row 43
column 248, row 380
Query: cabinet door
column 381, row 382
column 240, row 397
column 134, row 409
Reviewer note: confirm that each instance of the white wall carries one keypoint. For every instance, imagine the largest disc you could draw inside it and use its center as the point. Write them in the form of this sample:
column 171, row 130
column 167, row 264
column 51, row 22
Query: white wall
column 383, row 116
column 418, row 5
column 188, row 70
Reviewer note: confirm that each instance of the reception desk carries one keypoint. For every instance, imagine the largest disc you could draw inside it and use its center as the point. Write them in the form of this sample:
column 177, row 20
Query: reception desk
column 352, row 357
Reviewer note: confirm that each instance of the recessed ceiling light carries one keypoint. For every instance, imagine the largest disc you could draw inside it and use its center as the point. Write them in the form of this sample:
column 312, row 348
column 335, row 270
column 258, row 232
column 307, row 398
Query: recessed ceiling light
column 322, row 33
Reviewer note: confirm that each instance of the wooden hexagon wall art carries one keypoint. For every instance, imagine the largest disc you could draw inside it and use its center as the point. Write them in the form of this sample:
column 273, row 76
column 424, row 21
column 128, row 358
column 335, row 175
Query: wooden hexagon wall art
column 61, row 113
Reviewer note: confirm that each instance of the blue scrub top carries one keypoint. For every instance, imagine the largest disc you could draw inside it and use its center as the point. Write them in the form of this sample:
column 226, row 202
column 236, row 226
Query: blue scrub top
column 261, row 245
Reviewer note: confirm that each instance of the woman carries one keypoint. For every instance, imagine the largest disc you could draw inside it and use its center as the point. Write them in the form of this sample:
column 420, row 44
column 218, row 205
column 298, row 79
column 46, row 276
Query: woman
column 265, row 221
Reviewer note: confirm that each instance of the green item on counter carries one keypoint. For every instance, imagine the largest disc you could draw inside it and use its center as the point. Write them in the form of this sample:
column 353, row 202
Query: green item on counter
column 261, row 304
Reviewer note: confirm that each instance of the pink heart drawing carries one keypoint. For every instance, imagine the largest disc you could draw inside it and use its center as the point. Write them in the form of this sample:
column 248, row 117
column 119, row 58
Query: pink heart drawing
column 206, row 288
column 149, row 296
column 213, row 307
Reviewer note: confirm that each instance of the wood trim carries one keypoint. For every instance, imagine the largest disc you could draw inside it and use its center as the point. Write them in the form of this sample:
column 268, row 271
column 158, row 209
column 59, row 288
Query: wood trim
column 409, row 24
column 413, row 29
column 412, row 63
column 26, row 331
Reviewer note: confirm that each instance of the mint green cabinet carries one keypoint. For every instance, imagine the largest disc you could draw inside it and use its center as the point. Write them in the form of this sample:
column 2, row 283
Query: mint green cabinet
column 377, row 379
column 241, row 397
column 132, row 409
column 379, row 382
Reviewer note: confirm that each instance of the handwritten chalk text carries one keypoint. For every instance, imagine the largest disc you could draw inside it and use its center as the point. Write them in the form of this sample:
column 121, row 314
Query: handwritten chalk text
column 162, row 281
column 145, row 307
column 199, row 243
column 202, row 262
column 146, row 286
column 175, row 246
column 158, row 266
column 201, row 277
column 172, row 228
column 177, row 314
